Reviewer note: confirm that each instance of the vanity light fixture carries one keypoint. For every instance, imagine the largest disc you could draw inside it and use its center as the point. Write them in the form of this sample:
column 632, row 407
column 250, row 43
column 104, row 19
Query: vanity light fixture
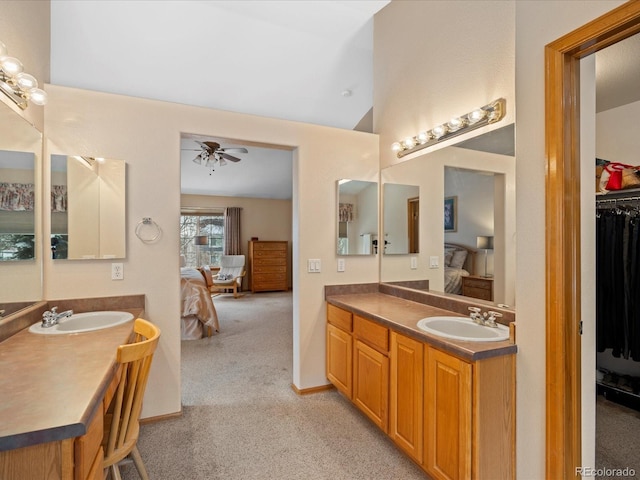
column 88, row 162
column 16, row 84
column 477, row 118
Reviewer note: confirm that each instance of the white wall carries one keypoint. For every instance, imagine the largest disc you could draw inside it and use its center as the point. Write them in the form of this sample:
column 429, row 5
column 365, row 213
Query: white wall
column 146, row 134
column 537, row 24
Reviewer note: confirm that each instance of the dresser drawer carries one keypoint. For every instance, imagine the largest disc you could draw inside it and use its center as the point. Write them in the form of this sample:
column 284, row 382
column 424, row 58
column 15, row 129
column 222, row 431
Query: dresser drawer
column 262, row 268
column 477, row 283
column 269, row 247
column 262, row 254
column 270, row 277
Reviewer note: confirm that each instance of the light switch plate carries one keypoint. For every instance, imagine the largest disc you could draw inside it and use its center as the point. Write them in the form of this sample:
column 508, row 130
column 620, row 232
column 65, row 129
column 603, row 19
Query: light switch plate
column 434, row 261
column 341, row 264
column 313, row 265
column 414, row 263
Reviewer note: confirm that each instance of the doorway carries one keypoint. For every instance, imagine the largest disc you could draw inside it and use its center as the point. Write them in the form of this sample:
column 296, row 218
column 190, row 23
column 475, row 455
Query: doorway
column 563, row 208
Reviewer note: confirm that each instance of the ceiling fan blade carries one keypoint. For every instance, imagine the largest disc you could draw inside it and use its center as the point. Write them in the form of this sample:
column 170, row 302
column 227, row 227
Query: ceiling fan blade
column 234, row 150
column 230, row 158
column 206, row 147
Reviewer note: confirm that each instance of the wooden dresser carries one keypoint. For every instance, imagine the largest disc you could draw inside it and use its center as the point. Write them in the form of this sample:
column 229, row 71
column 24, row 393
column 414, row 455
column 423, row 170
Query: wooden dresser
column 478, row 287
column 268, row 270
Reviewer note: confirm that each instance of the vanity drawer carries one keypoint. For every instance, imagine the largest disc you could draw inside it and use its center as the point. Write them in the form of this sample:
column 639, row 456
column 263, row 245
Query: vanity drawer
column 371, row 333
column 339, row 317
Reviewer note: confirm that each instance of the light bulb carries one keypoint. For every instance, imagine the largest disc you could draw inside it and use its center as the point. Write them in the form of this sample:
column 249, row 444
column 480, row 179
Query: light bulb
column 438, row 131
column 396, row 147
column 409, row 142
column 38, row 96
column 11, row 66
column 476, row 115
column 454, row 124
column 26, row 81
column 423, row 137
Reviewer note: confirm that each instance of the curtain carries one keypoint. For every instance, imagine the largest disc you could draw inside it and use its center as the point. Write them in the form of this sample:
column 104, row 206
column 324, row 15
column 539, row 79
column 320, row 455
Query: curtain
column 232, row 231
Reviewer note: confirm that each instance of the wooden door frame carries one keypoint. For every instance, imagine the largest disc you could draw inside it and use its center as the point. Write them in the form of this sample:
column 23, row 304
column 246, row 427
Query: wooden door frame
column 562, row 238
column 414, row 244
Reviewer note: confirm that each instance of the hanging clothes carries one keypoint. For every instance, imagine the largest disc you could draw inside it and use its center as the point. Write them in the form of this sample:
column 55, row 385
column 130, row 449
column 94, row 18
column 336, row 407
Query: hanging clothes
column 618, row 281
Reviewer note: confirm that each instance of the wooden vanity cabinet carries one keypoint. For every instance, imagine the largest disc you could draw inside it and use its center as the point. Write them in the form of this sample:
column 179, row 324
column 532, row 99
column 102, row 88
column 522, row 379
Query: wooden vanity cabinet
column 371, row 370
column 406, row 392
column 339, row 359
column 71, row 459
column 447, row 418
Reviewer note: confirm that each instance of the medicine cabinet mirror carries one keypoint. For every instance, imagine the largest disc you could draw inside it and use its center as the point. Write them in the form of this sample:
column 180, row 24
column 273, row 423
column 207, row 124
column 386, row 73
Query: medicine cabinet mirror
column 20, row 197
column 357, row 217
column 88, row 201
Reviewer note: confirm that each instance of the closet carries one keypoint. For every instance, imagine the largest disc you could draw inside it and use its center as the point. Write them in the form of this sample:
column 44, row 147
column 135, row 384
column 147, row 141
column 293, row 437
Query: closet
column 618, row 297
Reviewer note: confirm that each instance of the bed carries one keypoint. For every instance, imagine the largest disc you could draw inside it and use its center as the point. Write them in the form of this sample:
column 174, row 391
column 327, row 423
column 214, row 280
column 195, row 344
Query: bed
column 198, row 315
column 459, row 261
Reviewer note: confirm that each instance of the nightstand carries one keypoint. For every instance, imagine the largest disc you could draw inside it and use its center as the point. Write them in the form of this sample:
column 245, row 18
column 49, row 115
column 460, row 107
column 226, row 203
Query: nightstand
column 478, row 287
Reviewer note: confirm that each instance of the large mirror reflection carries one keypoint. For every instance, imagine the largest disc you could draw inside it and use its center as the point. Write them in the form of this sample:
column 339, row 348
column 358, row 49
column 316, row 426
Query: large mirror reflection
column 466, row 218
column 87, row 207
column 20, row 232
column 357, row 217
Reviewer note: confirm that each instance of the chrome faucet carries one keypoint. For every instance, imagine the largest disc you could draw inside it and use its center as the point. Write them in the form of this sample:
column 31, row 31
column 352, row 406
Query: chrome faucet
column 52, row 317
column 487, row 319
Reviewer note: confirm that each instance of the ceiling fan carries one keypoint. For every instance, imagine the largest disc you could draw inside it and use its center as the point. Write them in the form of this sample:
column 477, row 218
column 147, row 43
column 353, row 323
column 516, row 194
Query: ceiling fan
column 212, row 152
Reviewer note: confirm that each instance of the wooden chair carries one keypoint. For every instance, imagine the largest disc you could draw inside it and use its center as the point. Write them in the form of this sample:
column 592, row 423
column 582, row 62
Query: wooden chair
column 229, row 277
column 121, row 425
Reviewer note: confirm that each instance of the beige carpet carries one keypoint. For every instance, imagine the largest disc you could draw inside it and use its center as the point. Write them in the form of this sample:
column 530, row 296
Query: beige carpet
column 241, row 420
column 617, row 439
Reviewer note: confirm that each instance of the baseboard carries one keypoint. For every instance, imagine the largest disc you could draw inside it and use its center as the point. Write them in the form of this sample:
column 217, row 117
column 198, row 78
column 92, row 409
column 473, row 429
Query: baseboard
column 307, row 391
column 159, row 418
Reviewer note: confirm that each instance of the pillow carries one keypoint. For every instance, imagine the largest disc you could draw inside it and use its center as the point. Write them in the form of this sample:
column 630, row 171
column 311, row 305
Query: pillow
column 448, row 256
column 459, row 256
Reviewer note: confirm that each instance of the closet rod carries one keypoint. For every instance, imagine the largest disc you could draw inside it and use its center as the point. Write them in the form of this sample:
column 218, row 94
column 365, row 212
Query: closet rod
column 600, row 201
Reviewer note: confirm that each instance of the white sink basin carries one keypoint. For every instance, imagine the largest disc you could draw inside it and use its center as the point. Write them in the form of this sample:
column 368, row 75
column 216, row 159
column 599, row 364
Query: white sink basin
column 463, row 328
column 84, row 322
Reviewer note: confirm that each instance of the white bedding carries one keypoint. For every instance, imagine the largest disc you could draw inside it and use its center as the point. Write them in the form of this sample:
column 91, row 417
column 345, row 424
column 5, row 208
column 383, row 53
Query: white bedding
column 453, row 279
column 197, row 310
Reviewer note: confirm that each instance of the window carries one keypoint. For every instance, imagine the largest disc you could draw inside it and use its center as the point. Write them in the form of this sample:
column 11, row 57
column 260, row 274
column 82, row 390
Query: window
column 202, row 238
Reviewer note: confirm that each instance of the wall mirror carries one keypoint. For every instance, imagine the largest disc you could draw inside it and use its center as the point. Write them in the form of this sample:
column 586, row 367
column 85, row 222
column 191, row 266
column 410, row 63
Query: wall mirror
column 466, row 198
column 87, row 207
column 400, row 219
column 357, row 217
column 20, row 233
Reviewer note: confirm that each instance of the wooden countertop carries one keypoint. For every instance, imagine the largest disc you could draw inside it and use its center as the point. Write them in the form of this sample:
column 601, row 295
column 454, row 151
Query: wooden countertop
column 403, row 315
column 51, row 385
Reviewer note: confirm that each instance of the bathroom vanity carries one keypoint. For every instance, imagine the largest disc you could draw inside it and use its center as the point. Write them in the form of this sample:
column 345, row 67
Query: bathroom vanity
column 448, row 404
column 55, row 397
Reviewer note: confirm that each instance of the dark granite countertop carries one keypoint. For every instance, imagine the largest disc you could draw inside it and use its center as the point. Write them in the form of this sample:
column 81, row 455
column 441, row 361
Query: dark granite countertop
column 51, row 385
column 403, row 315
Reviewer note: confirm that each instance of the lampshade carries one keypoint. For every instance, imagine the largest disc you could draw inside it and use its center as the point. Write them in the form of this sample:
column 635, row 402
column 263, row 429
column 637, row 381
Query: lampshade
column 484, row 243
column 202, row 240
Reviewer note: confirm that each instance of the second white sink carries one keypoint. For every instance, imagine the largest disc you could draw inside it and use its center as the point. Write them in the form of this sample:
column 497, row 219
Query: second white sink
column 463, row 328
column 84, row 322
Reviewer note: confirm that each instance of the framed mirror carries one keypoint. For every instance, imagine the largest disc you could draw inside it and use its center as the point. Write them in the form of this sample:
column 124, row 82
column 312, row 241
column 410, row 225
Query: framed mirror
column 88, row 201
column 20, row 197
column 400, row 219
column 466, row 203
column 357, row 217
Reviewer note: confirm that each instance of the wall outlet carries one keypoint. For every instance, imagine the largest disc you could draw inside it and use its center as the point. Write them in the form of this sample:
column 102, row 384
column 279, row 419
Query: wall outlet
column 117, row 271
column 414, row 263
column 434, row 261
column 341, row 264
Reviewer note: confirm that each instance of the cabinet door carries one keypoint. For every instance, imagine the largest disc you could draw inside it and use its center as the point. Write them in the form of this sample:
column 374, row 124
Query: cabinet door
column 339, row 359
column 371, row 383
column 447, row 416
column 406, row 415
